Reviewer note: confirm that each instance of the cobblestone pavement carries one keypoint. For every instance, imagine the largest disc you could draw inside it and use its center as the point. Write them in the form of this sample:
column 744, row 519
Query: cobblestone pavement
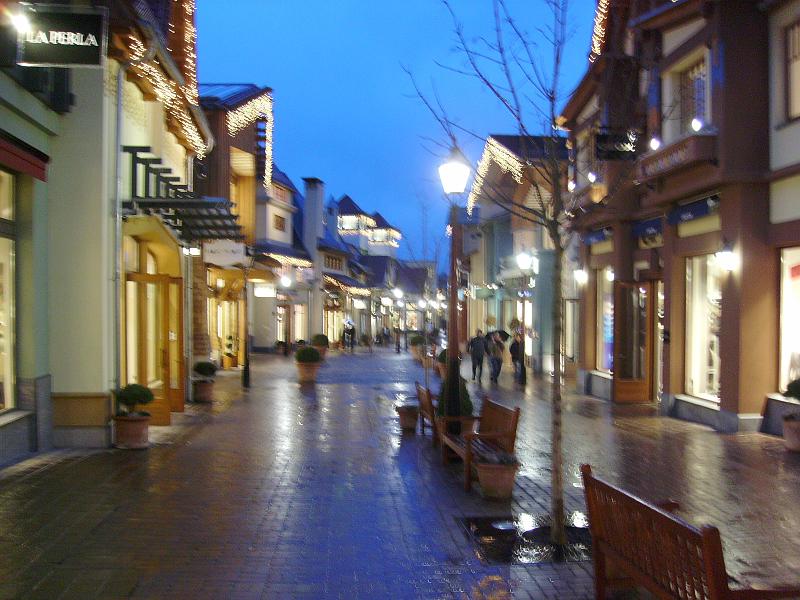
column 313, row 492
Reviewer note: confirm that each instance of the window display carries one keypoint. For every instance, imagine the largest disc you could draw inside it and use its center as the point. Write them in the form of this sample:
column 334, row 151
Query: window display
column 703, row 310
column 605, row 320
column 7, row 304
column 790, row 316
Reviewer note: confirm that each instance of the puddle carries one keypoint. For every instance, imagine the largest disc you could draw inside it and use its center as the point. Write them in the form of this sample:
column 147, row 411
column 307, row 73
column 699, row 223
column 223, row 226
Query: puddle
column 525, row 539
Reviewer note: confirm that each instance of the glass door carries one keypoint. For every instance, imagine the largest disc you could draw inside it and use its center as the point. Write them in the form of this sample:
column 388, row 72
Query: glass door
column 633, row 341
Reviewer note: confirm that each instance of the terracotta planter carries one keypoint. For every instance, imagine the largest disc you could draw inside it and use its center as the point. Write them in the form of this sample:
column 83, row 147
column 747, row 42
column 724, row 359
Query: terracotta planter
column 791, row 434
column 408, row 416
column 131, row 431
column 203, row 391
column 229, row 362
column 307, row 372
column 323, row 350
column 497, row 481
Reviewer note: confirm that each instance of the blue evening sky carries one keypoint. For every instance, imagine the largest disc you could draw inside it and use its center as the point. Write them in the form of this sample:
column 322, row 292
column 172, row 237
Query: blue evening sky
column 345, row 111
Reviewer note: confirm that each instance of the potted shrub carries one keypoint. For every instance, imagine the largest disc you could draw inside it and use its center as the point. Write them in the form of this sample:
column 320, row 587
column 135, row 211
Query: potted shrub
column 791, row 421
column 229, row 360
column 408, row 413
column 441, row 363
column 307, row 360
column 497, row 474
column 417, row 343
column 131, row 429
column 320, row 343
column 203, row 381
column 464, row 406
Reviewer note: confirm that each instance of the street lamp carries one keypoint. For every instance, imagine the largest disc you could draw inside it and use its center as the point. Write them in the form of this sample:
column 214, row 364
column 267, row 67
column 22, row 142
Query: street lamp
column 286, row 282
column 454, row 173
column 248, row 264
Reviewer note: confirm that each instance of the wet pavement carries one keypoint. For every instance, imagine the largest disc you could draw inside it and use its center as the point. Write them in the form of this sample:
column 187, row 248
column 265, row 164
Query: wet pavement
column 314, row 492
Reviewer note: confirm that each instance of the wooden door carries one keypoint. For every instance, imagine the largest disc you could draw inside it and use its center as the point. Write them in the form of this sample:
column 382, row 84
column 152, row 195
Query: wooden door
column 633, row 341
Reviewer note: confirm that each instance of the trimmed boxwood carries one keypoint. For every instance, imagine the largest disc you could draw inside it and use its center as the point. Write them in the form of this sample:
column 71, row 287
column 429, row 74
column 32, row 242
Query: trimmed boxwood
column 792, row 391
column 307, row 354
column 416, row 340
column 320, row 339
column 205, row 368
column 442, row 358
column 465, row 402
column 133, row 394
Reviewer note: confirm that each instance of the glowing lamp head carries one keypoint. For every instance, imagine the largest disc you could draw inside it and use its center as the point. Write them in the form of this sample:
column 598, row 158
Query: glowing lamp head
column 398, row 293
column 697, row 124
column 286, row 281
column 220, row 283
column 21, row 22
column 610, row 274
column 422, row 303
column 655, row 144
column 591, row 176
column 524, row 260
column 194, row 251
column 570, row 186
column 454, row 172
column 581, row 277
column 727, row 259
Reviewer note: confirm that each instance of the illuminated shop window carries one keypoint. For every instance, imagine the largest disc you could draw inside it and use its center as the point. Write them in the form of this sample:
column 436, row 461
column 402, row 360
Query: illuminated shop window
column 605, row 320
column 790, row 316
column 703, row 311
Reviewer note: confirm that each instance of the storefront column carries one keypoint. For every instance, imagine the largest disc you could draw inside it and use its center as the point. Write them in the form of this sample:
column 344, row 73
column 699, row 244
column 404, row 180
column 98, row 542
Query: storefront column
column 674, row 316
column 749, row 331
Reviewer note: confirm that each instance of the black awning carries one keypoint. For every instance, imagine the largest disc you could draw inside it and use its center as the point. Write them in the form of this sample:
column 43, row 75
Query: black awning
column 194, row 218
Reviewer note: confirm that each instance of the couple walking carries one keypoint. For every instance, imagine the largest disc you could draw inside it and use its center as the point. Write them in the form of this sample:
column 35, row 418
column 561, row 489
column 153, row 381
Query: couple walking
column 478, row 347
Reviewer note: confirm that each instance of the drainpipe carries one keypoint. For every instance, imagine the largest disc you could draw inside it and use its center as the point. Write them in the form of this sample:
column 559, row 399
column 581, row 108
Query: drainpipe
column 117, row 212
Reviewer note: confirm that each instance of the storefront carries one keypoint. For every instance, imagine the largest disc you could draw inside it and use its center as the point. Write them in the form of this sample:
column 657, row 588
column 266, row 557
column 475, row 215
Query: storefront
column 7, row 292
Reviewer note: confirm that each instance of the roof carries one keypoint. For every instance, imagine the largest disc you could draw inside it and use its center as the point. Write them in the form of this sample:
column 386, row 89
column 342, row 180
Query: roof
column 411, row 279
column 378, row 267
column 296, row 250
column 282, row 178
column 381, row 223
column 227, row 96
column 347, row 206
column 532, row 147
column 331, row 242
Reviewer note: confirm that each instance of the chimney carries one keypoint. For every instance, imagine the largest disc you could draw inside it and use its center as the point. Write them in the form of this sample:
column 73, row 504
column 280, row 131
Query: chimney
column 312, row 213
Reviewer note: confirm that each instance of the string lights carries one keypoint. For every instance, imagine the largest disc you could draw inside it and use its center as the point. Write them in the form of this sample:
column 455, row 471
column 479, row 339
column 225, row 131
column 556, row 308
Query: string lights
column 189, row 51
column 348, row 289
column 171, row 95
column 246, row 115
column 493, row 152
column 290, row 260
column 599, row 31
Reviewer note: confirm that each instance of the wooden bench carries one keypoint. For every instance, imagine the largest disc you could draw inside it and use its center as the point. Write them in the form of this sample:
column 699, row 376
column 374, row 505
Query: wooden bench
column 427, row 410
column 635, row 543
column 493, row 432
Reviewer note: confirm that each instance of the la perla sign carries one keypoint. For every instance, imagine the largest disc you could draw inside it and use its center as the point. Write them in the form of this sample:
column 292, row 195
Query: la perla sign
column 62, row 36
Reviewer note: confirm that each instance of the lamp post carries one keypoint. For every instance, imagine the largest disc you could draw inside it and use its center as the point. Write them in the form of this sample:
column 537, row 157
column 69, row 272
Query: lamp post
column 454, row 173
column 286, row 282
column 526, row 262
column 248, row 264
column 398, row 294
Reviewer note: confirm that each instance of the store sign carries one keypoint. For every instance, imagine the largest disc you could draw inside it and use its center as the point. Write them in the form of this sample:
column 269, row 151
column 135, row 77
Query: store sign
column 224, row 253
column 617, row 146
column 51, row 35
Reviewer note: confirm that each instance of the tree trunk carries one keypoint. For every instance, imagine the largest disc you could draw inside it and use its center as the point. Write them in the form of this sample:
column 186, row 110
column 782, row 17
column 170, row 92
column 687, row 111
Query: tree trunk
column 558, row 532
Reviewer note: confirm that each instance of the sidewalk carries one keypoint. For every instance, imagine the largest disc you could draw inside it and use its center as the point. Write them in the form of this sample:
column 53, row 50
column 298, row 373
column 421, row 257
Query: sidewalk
column 289, row 492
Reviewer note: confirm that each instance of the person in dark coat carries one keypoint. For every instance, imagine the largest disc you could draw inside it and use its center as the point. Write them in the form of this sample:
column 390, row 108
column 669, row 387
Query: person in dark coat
column 496, row 350
column 515, row 351
column 477, row 349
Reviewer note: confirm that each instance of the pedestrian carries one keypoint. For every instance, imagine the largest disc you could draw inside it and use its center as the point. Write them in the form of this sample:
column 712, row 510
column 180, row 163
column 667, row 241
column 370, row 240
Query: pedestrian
column 496, row 349
column 351, row 332
column 477, row 349
column 514, row 349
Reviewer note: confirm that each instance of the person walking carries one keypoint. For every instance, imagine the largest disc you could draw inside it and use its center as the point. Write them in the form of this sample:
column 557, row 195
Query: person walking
column 477, row 349
column 514, row 349
column 496, row 349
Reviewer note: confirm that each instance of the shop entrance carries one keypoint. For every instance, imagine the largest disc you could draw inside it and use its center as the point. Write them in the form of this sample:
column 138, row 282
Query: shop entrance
column 154, row 340
column 634, row 347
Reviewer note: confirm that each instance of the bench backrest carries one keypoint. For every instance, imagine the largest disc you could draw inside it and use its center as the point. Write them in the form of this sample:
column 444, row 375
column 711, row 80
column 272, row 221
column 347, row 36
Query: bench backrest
column 498, row 418
column 425, row 401
column 663, row 553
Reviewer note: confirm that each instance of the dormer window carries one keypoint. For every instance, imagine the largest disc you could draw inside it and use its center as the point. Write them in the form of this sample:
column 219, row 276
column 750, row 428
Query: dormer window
column 334, row 263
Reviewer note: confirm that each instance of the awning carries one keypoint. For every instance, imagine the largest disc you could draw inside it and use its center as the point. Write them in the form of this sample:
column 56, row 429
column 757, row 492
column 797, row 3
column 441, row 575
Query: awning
column 346, row 284
column 693, row 210
column 595, row 237
column 194, row 218
column 648, row 228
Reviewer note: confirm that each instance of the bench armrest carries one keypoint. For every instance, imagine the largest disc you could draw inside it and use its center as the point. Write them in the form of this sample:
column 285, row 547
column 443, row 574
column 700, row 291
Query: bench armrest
column 493, row 435
column 765, row 594
column 454, row 419
column 668, row 505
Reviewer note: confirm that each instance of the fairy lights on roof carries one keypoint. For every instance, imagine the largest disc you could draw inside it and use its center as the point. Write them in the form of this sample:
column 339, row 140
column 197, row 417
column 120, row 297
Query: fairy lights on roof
column 599, row 31
column 498, row 154
column 246, row 115
column 190, row 52
column 171, row 95
column 291, row 261
column 353, row 291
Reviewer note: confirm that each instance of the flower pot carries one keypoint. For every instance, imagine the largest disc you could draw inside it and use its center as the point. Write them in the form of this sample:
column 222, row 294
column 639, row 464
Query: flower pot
column 203, row 391
column 131, row 431
column 791, row 434
column 408, row 416
column 323, row 350
column 229, row 362
column 307, row 372
column 497, row 480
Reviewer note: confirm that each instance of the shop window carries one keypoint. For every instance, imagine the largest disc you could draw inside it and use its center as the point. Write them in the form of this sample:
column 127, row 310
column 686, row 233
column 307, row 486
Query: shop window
column 6, row 196
column 793, row 71
column 692, row 95
column 790, row 316
column 279, row 222
column 703, row 310
column 299, row 321
column 7, row 296
column 605, row 320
